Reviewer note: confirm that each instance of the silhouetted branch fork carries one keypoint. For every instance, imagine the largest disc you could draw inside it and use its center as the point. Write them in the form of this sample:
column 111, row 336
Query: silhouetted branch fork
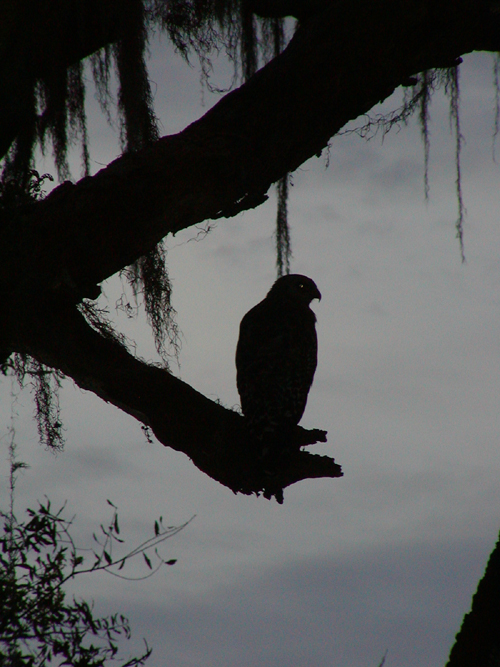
column 309, row 436
column 292, row 467
column 214, row 437
column 304, row 465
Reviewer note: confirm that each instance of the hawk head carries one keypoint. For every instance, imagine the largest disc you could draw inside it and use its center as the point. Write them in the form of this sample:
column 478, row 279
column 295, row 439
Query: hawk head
column 296, row 288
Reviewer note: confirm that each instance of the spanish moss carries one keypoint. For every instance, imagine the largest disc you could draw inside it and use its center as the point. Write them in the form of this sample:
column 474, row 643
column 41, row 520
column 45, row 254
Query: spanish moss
column 98, row 318
column 135, row 100
column 18, row 162
column 453, row 90
column 276, row 29
column 419, row 99
column 283, row 240
column 76, row 112
column 426, row 89
column 412, row 102
column 100, row 63
column 149, row 277
column 53, row 97
column 45, row 383
column 248, row 42
column 273, row 37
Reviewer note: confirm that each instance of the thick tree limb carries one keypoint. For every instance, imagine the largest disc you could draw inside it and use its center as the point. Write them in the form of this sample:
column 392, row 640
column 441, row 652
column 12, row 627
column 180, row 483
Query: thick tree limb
column 339, row 64
column 214, row 437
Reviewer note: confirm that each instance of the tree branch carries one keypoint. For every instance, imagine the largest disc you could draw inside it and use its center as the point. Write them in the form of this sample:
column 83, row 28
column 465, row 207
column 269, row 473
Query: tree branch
column 338, row 65
column 214, row 437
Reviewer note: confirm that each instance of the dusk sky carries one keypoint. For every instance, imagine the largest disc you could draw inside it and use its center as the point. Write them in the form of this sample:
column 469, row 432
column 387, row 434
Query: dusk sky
column 385, row 558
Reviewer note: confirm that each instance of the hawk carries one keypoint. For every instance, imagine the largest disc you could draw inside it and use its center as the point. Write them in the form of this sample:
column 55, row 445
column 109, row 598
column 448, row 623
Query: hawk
column 276, row 358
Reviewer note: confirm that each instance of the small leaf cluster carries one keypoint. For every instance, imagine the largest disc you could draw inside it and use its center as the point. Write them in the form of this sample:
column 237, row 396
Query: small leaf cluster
column 39, row 625
column 109, row 538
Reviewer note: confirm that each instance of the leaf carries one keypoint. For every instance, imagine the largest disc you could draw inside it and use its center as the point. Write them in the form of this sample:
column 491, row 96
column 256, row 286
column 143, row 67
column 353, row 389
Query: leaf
column 148, row 562
column 117, row 528
column 172, row 561
column 107, row 557
column 157, row 528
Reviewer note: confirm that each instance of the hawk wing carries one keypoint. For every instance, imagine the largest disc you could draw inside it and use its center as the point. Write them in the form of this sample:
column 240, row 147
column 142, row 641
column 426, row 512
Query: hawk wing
column 275, row 359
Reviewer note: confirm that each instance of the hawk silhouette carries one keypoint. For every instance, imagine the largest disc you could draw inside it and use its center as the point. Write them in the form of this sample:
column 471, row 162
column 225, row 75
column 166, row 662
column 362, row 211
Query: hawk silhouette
column 276, row 358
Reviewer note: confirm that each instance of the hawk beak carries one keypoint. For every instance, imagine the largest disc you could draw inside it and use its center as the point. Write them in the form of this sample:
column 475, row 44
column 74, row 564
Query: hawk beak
column 318, row 295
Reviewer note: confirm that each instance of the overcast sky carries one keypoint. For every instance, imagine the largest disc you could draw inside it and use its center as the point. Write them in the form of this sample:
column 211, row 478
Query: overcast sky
column 407, row 386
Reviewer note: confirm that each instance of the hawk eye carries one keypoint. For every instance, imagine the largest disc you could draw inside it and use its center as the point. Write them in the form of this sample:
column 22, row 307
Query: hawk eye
column 301, row 285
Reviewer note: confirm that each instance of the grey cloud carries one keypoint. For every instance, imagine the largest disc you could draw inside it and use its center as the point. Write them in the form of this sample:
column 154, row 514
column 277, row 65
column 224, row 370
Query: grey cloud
column 344, row 611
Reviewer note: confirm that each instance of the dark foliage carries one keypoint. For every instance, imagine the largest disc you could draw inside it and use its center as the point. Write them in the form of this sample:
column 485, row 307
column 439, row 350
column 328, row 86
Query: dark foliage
column 38, row 557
